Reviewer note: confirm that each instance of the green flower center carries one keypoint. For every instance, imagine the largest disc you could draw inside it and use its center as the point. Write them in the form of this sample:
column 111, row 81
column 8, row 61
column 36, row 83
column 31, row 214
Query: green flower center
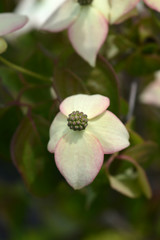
column 84, row 2
column 77, row 121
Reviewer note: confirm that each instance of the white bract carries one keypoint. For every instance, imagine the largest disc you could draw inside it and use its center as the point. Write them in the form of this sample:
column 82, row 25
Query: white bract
column 9, row 23
column 151, row 94
column 155, row 4
column 81, row 133
column 37, row 10
column 87, row 22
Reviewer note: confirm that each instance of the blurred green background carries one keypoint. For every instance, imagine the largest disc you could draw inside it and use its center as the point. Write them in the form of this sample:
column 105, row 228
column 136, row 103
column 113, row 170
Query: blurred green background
column 35, row 201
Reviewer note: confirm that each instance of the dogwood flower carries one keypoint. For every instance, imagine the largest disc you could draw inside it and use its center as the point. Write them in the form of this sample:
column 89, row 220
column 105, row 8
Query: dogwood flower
column 81, row 133
column 87, row 22
column 9, row 22
column 151, row 94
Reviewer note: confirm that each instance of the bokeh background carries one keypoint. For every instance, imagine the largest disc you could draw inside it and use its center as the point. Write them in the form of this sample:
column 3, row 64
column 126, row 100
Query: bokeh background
column 35, row 201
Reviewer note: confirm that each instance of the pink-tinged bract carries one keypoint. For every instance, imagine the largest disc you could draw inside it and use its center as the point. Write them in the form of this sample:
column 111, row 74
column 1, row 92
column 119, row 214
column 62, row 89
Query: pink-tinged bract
column 10, row 22
column 119, row 9
column 58, row 129
column 114, row 9
column 110, row 131
column 151, row 94
column 79, row 157
column 37, row 11
column 92, row 105
column 88, row 33
column 63, row 17
column 155, row 4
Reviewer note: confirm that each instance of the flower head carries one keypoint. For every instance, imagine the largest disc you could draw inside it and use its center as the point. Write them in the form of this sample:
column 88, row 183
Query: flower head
column 10, row 22
column 81, row 133
column 87, row 22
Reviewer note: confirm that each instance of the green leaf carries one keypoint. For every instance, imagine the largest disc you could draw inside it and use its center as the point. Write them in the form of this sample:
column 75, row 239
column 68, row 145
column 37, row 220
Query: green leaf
column 41, row 102
column 30, row 156
column 135, row 138
column 124, row 108
column 68, row 83
column 113, row 235
column 131, row 180
column 10, row 118
column 76, row 76
column 150, row 63
column 143, row 153
column 5, row 96
column 11, row 81
column 103, row 80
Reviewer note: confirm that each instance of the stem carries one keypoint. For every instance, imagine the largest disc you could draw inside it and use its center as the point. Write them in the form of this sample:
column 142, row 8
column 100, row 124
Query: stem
column 132, row 99
column 23, row 70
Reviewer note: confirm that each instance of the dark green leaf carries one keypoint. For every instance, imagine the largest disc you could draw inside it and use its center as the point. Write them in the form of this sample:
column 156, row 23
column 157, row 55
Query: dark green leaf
column 76, row 76
column 131, row 181
column 29, row 154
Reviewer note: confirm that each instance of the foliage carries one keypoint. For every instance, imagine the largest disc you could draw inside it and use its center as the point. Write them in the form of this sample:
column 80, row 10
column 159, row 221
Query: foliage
column 36, row 202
